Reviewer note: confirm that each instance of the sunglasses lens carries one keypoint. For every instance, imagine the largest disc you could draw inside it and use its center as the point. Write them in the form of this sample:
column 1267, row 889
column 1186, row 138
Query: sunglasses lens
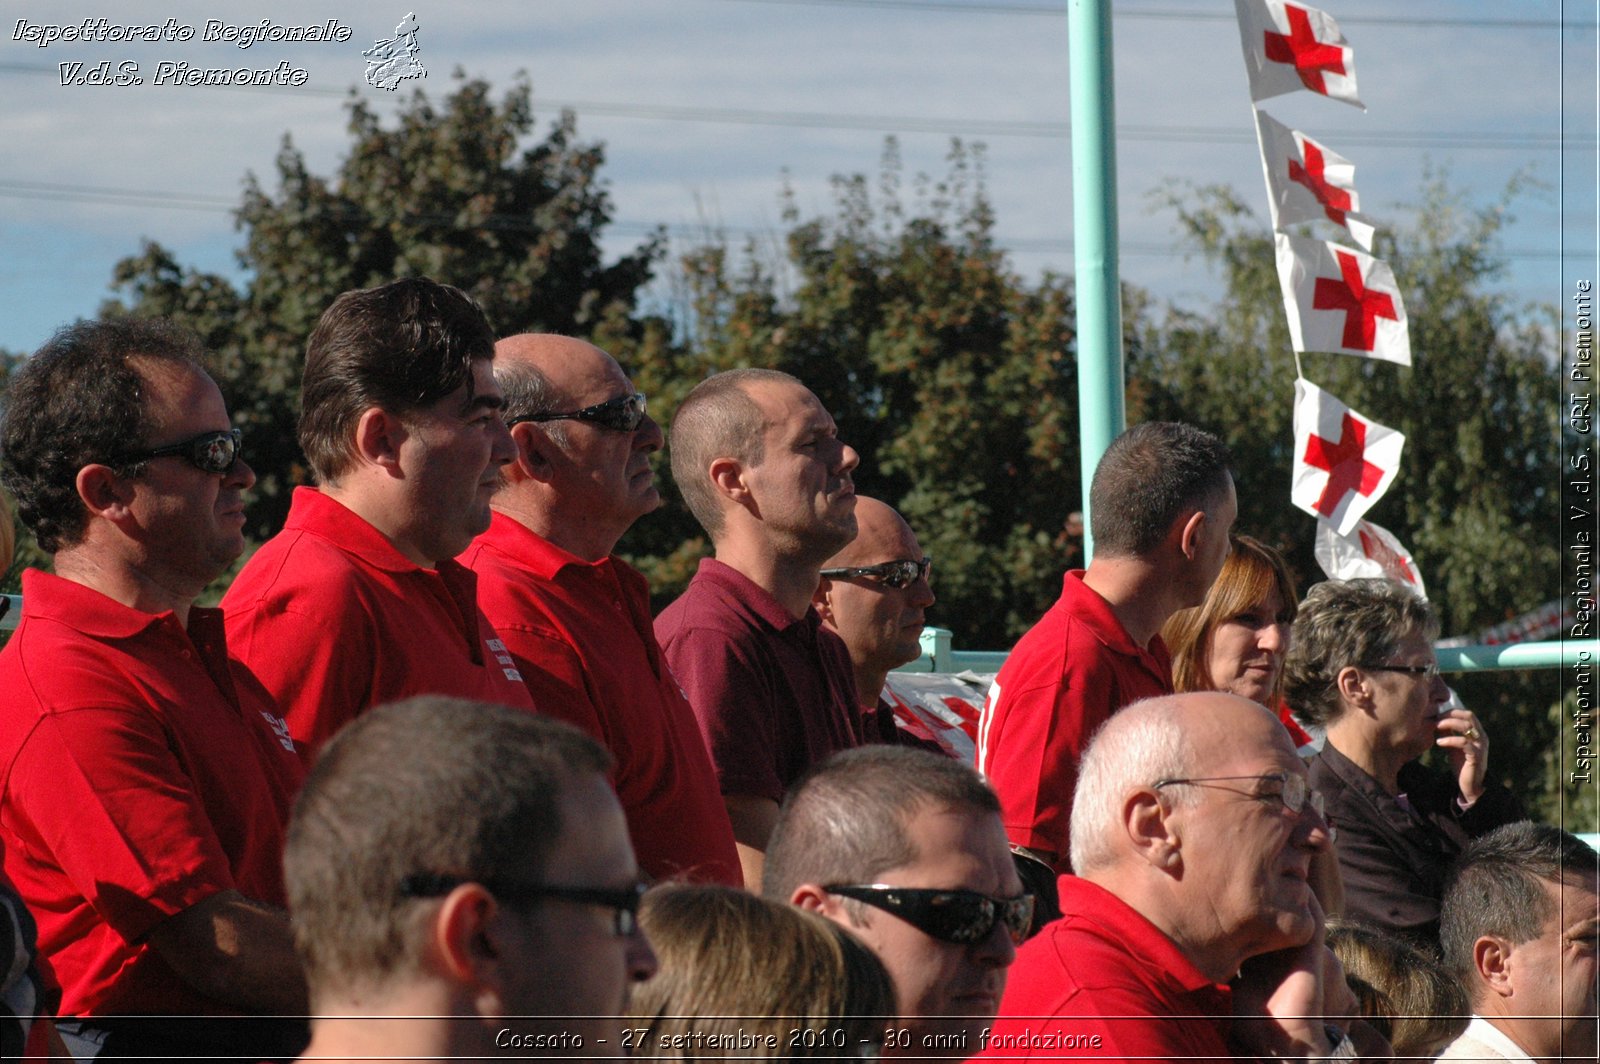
column 216, row 453
column 621, row 414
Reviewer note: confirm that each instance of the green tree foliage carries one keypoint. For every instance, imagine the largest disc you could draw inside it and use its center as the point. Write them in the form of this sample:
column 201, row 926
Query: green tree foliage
column 445, row 193
column 1477, row 498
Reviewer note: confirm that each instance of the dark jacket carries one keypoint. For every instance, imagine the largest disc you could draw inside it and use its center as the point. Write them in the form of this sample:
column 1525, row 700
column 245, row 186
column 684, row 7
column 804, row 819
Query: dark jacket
column 1395, row 862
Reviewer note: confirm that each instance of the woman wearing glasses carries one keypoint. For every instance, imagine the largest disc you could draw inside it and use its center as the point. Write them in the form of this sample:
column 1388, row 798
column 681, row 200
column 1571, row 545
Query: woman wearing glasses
column 1362, row 666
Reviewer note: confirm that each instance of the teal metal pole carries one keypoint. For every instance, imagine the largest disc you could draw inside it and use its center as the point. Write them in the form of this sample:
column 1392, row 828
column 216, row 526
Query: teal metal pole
column 1094, row 239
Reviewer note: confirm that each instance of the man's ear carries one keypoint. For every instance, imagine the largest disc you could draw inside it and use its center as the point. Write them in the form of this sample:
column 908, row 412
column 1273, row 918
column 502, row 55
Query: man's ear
column 460, row 935
column 534, row 452
column 812, row 898
column 1189, row 533
column 822, row 599
column 104, row 493
column 727, row 477
column 378, row 437
column 1147, row 822
column 1491, row 958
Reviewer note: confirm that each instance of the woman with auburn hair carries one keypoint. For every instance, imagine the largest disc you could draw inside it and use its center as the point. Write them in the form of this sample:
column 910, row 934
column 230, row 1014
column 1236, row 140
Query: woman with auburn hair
column 744, row 977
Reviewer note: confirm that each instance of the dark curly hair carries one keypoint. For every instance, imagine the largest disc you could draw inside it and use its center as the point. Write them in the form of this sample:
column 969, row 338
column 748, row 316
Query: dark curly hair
column 80, row 401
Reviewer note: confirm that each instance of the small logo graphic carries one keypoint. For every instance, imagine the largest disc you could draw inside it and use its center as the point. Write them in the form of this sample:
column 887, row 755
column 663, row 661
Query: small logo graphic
column 280, row 728
column 393, row 61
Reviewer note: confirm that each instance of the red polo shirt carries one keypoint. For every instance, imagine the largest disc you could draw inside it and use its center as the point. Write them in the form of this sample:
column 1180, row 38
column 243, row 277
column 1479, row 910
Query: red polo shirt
column 1104, row 984
column 140, row 773
column 774, row 694
column 581, row 636
column 334, row 620
column 1064, row 679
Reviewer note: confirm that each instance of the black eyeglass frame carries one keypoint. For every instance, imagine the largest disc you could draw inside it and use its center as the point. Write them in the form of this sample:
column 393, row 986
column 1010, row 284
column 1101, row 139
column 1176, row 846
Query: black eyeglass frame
column 1295, row 806
column 896, row 573
column 625, row 413
column 920, row 907
column 196, row 450
column 622, row 901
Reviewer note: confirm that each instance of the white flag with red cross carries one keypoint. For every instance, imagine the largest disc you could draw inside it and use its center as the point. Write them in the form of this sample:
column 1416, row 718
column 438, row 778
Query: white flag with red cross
column 1306, row 182
column 1342, row 300
column 1368, row 551
column 1288, row 47
column 1343, row 462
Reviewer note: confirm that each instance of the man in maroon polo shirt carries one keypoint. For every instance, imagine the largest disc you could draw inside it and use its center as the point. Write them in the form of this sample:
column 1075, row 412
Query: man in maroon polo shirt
column 761, row 466
column 577, row 619
column 359, row 601
column 1162, row 502
column 144, row 780
column 1191, row 932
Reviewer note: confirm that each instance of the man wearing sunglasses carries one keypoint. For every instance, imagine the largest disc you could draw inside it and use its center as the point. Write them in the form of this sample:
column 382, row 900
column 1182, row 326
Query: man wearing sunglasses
column 146, row 780
column 463, row 888
column 359, row 601
column 1193, row 832
column 760, row 464
column 874, row 594
column 1162, row 502
column 904, row 848
column 576, row 618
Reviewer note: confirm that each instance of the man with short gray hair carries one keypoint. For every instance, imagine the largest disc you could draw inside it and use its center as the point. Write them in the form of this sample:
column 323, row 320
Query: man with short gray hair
column 1519, row 925
column 1193, row 831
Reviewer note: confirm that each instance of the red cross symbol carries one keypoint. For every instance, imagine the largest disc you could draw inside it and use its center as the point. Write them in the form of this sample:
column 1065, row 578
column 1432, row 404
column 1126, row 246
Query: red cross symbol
column 1335, row 201
column 1362, row 307
column 1346, row 463
column 1380, row 552
column 1301, row 48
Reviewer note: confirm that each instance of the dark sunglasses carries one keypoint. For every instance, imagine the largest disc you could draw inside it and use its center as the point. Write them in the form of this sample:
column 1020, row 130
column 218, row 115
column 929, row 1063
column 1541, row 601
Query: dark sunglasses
column 622, row 901
column 210, row 452
column 898, row 573
column 964, row 917
column 621, row 414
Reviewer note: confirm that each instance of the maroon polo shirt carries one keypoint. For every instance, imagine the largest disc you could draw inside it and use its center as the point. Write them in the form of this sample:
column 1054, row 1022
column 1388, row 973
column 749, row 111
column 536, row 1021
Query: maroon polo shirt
column 774, row 694
column 334, row 620
column 1064, row 679
column 581, row 636
column 140, row 773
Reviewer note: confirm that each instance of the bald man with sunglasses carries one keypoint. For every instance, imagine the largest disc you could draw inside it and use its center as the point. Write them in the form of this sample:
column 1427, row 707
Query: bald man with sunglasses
column 874, row 594
column 905, row 849
column 575, row 617
column 144, row 779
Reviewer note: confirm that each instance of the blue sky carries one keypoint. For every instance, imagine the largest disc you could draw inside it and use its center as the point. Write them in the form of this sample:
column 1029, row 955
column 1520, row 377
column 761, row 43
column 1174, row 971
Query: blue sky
column 705, row 105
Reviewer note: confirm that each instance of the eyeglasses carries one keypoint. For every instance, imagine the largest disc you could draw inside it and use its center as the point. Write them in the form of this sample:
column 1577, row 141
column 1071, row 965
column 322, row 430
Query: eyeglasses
column 1293, row 792
column 621, row 414
column 1430, row 670
column 622, row 901
column 209, row 452
column 898, row 573
column 964, row 917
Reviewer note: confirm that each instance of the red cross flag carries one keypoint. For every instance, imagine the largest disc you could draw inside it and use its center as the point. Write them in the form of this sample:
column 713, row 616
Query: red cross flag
column 1307, row 182
column 1288, row 47
column 1369, row 551
column 1343, row 462
column 1339, row 299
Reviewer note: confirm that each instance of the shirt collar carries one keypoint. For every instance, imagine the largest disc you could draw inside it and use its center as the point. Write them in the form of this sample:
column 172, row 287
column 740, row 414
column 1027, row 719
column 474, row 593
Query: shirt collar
column 753, row 597
column 315, row 512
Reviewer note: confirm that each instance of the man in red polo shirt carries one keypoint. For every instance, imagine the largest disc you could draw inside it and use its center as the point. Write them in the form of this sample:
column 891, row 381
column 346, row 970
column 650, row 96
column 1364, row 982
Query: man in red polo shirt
column 1191, row 932
column 146, row 780
column 358, row 601
column 1162, row 502
column 577, row 619
column 761, row 466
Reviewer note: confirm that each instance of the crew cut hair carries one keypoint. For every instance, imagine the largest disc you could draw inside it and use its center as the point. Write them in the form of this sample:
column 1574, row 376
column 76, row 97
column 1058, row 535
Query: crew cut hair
column 400, row 347
column 846, row 821
column 1343, row 623
column 1495, row 890
column 718, row 419
column 1150, row 476
column 431, row 785
column 80, row 400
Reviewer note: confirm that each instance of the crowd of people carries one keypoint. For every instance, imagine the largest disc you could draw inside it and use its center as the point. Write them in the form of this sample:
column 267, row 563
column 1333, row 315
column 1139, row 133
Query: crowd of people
column 433, row 784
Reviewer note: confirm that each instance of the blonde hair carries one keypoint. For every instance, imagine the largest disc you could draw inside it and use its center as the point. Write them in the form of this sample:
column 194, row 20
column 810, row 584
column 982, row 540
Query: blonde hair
column 1251, row 572
column 741, row 976
column 1406, row 994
